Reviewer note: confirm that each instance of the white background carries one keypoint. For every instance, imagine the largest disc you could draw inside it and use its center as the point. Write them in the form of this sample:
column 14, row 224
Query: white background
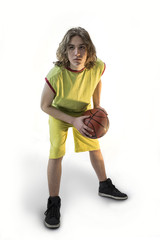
column 126, row 35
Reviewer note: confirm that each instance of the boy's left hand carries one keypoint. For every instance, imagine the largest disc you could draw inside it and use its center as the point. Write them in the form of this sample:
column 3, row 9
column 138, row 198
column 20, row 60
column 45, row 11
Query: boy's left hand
column 101, row 108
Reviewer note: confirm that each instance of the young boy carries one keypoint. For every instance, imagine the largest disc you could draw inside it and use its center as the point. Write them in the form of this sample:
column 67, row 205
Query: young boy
column 69, row 87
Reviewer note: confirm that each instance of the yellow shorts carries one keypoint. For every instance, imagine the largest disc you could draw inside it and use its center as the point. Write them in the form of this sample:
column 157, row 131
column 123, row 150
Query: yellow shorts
column 58, row 135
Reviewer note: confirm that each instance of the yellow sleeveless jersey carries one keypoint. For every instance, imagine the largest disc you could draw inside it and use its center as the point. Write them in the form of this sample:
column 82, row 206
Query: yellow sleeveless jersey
column 74, row 89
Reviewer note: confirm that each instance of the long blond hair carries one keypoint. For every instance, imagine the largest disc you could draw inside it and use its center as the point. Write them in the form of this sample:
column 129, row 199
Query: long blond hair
column 62, row 49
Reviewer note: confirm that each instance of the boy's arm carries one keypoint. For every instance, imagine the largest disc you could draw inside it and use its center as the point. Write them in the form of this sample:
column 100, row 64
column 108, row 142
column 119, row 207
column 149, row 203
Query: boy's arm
column 97, row 95
column 46, row 105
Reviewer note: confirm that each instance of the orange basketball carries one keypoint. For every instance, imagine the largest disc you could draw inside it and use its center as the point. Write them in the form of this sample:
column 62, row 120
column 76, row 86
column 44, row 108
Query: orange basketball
column 98, row 121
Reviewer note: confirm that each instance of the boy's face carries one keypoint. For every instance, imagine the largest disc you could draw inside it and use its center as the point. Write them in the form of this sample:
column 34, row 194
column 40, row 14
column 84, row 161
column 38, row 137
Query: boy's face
column 77, row 53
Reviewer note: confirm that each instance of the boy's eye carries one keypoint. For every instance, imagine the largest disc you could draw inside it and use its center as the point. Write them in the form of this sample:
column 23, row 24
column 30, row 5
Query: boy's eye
column 82, row 47
column 70, row 47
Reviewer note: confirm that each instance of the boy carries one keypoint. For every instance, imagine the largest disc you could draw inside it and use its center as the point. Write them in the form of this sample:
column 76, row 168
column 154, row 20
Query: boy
column 67, row 93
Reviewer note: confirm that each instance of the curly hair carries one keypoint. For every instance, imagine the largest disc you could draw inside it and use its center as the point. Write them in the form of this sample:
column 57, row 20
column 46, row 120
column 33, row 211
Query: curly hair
column 62, row 49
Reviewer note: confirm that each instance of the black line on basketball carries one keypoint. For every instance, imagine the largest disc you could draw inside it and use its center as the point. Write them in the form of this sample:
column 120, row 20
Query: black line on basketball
column 98, row 123
column 103, row 111
column 91, row 117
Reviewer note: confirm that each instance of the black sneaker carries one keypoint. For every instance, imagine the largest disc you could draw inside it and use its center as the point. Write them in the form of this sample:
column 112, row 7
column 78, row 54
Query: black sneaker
column 52, row 219
column 107, row 189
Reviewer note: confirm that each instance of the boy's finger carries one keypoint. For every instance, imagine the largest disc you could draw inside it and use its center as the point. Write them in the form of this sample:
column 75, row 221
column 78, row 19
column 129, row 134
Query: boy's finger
column 88, row 116
column 88, row 129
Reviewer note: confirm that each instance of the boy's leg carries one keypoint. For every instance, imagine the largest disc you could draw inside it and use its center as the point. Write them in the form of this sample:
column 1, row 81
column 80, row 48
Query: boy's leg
column 98, row 164
column 52, row 219
column 58, row 135
column 106, row 188
column 54, row 176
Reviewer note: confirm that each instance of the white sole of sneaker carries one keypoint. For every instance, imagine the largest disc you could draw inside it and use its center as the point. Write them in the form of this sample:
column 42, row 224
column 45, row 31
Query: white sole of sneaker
column 51, row 226
column 110, row 196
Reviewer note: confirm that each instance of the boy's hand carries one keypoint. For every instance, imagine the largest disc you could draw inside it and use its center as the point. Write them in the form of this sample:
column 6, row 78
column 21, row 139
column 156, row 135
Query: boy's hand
column 78, row 123
column 101, row 108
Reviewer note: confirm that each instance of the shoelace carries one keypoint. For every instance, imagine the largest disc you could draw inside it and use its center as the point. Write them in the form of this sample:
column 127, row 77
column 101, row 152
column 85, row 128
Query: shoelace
column 53, row 209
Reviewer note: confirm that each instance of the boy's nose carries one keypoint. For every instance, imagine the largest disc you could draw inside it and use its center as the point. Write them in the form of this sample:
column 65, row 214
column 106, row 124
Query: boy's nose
column 77, row 52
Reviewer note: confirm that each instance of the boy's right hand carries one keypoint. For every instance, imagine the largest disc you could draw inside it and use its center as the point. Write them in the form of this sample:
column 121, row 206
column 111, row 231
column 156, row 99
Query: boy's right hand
column 78, row 123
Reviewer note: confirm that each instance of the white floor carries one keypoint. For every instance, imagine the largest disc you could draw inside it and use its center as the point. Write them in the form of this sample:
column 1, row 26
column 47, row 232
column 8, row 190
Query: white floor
column 84, row 214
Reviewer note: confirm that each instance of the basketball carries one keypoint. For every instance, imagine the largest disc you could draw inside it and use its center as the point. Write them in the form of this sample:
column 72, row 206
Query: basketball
column 98, row 122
